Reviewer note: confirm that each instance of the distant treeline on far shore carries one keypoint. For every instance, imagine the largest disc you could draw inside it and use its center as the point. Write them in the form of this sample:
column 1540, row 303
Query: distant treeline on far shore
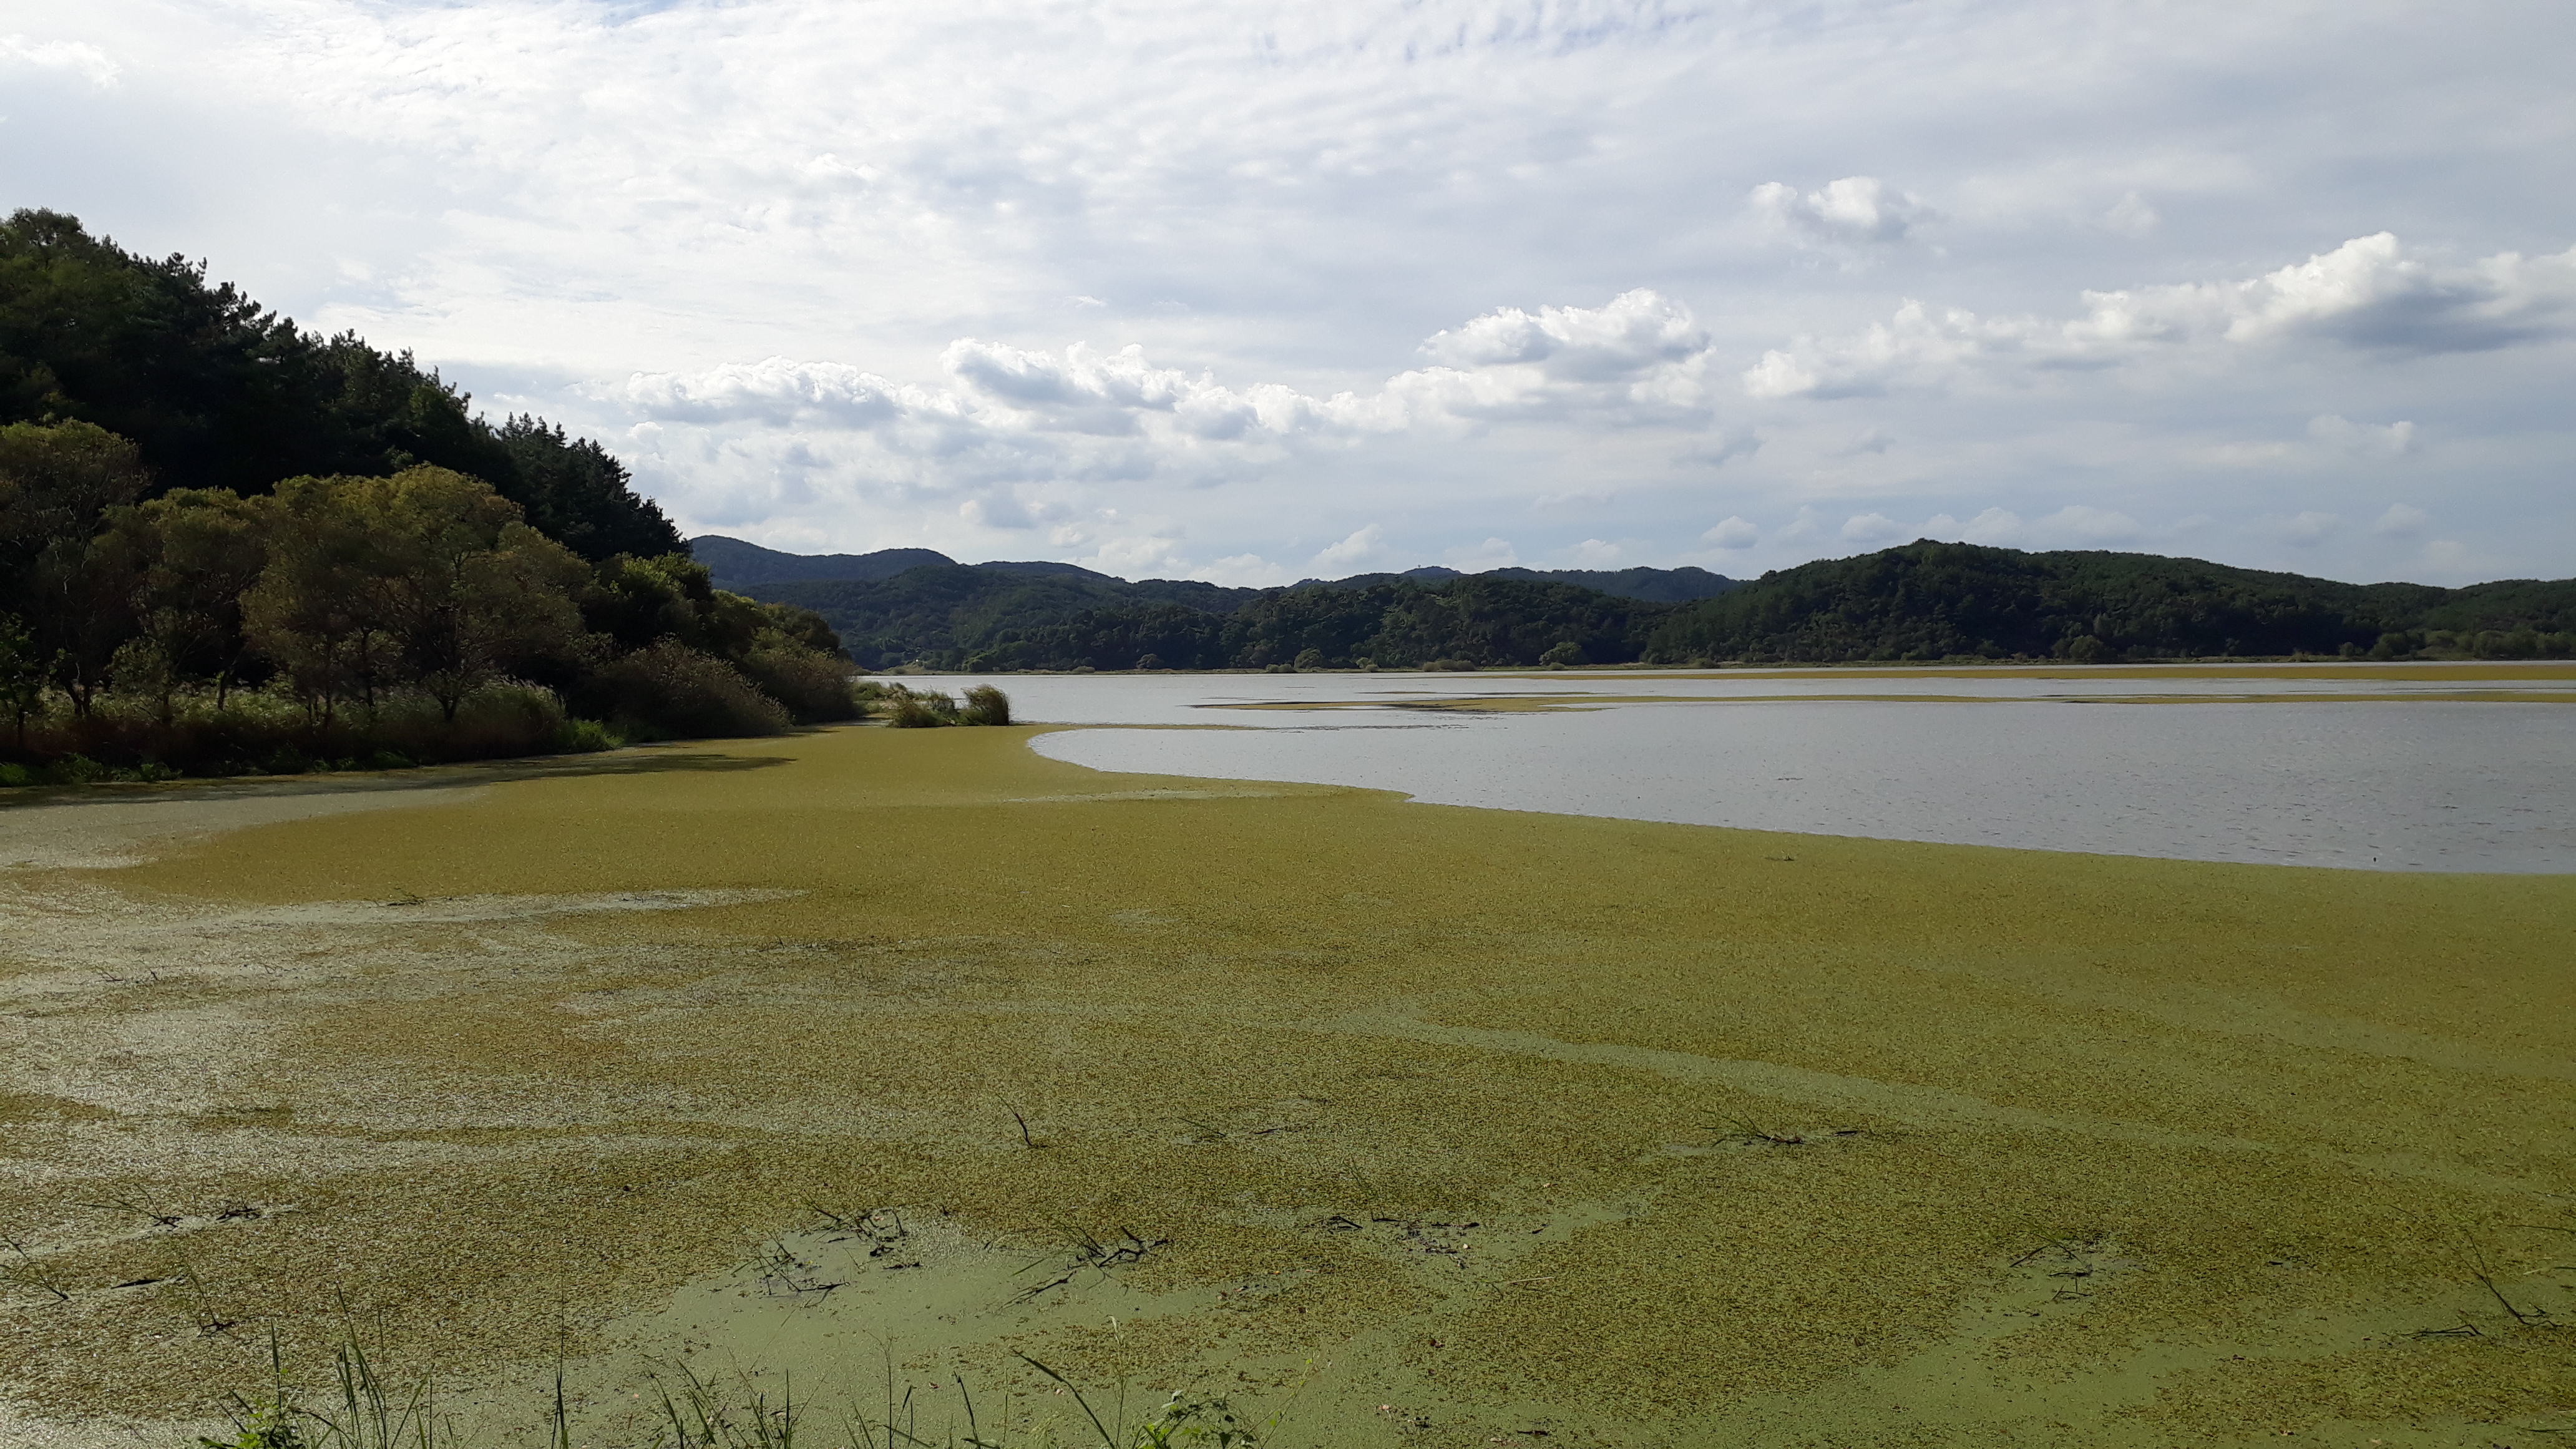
column 1924, row 602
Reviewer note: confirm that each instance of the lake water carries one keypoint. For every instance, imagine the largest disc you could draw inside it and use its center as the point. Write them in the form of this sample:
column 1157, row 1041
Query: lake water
column 2127, row 764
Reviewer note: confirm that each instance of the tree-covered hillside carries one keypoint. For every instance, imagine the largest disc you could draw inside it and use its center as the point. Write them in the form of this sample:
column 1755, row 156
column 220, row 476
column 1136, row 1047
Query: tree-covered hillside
column 987, row 617
column 219, row 392
column 1941, row 600
column 227, row 544
column 1923, row 601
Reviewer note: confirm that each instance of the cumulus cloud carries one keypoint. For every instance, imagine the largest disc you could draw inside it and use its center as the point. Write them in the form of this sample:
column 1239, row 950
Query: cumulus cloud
column 1733, row 533
column 2093, row 527
column 1721, row 449
column 2309, row 529
column 1366, row 546
column 1855, row 211
column 2402, row 521
column 77, row 57
column 2369, row 295
column 1872, row 529
column 1996, row 527
column 1085, row 412
column 2131, row 216
column 1476, row 558
column 1594, row 553
column 2335, row 431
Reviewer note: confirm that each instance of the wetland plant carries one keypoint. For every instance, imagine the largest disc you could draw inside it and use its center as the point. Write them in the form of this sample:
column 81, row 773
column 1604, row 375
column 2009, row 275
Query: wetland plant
column 932, row 709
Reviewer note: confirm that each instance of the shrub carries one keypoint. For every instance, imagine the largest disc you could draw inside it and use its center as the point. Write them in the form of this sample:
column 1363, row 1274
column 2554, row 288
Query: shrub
column 915, row 709
column 986, row 705
column 670, row 690
column 813, row 685
column 586, row 737
column 1309, row 659
column 1564, row 655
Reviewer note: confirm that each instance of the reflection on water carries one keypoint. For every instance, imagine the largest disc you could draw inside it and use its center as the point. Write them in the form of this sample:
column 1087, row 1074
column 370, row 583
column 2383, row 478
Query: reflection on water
column 2413, row 785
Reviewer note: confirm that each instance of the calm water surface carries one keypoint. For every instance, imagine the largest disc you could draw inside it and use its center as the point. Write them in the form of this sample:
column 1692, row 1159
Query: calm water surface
column 2018, row 760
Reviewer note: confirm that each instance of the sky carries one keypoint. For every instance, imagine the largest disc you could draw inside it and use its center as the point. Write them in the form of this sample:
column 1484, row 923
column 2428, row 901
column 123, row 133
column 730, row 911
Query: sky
column 1255, row 292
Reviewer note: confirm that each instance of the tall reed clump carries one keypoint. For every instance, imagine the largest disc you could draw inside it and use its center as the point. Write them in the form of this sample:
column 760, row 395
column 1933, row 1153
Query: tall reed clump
column 913, row 709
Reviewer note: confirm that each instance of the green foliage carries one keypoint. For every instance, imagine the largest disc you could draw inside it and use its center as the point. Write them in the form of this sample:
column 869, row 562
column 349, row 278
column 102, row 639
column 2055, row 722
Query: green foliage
column 1929, row 601
column 979, row 620
column 914, row 709
column 918, row 709
column 669, row 689
column 1925, row 601
column 23, row 671
column 346, row 619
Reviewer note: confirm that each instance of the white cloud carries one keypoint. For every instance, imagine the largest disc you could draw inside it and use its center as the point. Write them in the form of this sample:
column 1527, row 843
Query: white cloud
column 1998, row 527
column 2335, row 431
column 1870, row 529
column 1245, row 571
column 1476, row 558
column 78, row 57
column 1731, row 533
column 1721, row 449
column 1364, row 549
column 2131, row 216
column 1941, row 525
column 2402, row 521
column 1637, row 360
column 1855, row 211
column 2367, row 295
column 2083, row 524
column 1594, row 553
column 2310, row 529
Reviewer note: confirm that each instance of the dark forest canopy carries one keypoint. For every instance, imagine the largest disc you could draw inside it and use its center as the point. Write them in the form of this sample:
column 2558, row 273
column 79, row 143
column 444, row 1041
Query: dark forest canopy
column 1924, row 601
column 1931, row 600
column 217, row 391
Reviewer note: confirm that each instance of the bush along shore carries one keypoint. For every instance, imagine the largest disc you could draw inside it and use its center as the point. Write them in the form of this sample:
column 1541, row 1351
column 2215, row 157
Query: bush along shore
column 352, row 622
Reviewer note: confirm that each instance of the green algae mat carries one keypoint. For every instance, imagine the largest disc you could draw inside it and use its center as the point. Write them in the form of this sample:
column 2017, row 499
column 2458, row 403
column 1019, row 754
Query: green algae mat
column 881, row 1063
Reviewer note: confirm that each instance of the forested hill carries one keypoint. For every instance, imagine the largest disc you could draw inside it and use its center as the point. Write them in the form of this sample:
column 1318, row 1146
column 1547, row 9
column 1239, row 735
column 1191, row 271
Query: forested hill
column 1941, row 600
column 1923, row 601
column 217, row 391
column 738, row 565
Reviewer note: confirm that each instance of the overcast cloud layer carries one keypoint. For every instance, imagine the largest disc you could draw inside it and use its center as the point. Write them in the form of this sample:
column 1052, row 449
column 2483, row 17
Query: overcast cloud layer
column 1252, row 292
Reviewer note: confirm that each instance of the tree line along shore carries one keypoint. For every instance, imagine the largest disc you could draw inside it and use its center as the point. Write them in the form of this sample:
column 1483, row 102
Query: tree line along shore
column 229, row 545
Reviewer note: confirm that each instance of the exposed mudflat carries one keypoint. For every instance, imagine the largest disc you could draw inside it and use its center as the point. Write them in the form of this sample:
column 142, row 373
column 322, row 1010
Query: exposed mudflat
column 878, row 1058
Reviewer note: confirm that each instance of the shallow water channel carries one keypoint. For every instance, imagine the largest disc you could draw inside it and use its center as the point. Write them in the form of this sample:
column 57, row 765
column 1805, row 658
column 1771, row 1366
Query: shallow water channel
column 2396, row 771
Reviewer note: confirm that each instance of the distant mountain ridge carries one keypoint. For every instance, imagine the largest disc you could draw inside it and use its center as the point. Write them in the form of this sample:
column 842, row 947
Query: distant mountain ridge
column 1924, row 601
column 738, row 566
column 1655, row 586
